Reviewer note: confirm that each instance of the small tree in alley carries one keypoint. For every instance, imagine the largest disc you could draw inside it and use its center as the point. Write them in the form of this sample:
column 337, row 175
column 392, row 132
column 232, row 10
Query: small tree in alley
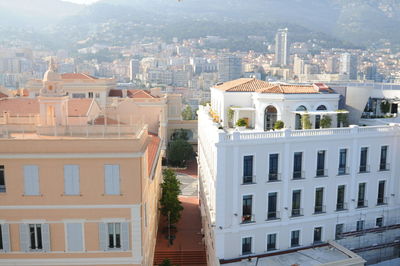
column 171, row 207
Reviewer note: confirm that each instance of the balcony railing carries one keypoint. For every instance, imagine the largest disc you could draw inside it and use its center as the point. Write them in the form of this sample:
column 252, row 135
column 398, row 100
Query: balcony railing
column 248, row 218
column 343, row 171
column 274, row 177
column 384, row 167
column 2, row 188
column 297, row 212
column 382, row 201
column 248, row 180
column 319, row 209
column 274, row 215
column 362, row 203
column 321, row 173
column 364, row 168
column 341, row 206
column 298, row 175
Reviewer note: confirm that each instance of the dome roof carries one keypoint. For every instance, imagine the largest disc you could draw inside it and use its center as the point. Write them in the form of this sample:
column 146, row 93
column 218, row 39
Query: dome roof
column 51, row 75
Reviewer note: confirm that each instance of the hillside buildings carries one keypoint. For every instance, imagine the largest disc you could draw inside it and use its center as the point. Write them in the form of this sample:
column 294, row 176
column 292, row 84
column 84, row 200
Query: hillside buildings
column 268, row 192
column 229, row 68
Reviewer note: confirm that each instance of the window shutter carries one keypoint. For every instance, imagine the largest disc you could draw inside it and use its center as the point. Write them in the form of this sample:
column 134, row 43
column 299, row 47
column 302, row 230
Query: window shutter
column 23, row 237
column 125, row 236
column 71, row 179
column 5, row 230
column 108, row 175
column 46, row 237
column 31, row 180
column 116, row 184
column 103, row 236
column 75, row 237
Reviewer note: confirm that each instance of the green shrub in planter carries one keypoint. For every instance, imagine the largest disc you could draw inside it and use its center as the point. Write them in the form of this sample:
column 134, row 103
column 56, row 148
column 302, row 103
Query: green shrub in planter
column 326, row 121
column 241, row 123
column 305, row 121
column 279, row 124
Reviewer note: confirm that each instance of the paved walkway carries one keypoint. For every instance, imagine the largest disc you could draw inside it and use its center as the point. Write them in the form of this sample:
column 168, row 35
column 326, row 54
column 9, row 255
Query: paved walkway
column 188, row 235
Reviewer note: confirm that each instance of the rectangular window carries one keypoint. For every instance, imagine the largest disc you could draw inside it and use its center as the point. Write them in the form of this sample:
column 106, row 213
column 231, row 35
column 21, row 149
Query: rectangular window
column 272, row 202
column 360, row 225
column 363, row 160
column 71, row 180
column 35, row 234
column 295, row 238
column 74, row 236
column 112, row 184
column 246, row 245
column 383, row 161
column 273, row 167
column 361, row 202
column 297, row 165
column 271, row 242
column 31, row 180
column 342, row 162
column 296, row 203
column 319, row 200
column 248, row 169
column 317, row 234
column 317, row 121
column 340, row 198
column 379, row 221
column 78, row 95
column 90, row 95
column 247, row 209
column 339, row 231
column 321, row 163
column 1, row 237
column 381, row 193
column 114, row 235
column 2, row 179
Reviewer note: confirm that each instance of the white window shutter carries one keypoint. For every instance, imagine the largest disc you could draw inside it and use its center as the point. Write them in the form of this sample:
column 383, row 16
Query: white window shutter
column 24, row 237
column 5, row 233
column 103, row 236
column 46, row 237
column 31, row 180
column 74, row 237
column 125, row 236
column 108, row 175
column 71, row 179
column 116, row 184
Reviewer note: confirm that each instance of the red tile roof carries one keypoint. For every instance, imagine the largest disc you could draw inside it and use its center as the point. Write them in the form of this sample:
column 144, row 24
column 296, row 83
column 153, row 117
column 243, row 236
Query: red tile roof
column 76, row 76
column 27, row 106
column 152, row 152
column 139, row 94
column 255, row 85
column 2, row 95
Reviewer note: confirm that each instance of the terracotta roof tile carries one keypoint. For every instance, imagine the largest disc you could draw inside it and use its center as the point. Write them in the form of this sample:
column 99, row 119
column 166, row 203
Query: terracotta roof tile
column 243, row 85
column 2, row 95
column 152, row 151
column 27, row 106
column 139, row 94
column 290, row 89
column 76, row 76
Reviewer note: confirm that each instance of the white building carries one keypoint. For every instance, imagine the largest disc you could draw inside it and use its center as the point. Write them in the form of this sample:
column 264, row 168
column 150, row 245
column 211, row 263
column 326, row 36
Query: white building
column 264, row 191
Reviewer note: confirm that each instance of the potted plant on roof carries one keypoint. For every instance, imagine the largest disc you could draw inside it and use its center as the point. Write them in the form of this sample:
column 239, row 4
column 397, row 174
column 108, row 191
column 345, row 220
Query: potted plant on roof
column 305, row 121
column 241, row 124
column 326, row 121
column 279, row 125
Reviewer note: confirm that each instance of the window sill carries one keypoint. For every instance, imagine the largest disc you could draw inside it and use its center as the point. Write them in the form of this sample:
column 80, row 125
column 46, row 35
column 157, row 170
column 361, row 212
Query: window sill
column 320, row 176
column 71, row 195
column 35, row 196
column 112, row 194
column 383, row 170
column 341, row 210
column 361, row 207
column 343, row 174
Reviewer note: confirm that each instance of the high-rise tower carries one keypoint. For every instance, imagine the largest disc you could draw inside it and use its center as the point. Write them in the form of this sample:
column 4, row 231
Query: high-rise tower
column 281, row 47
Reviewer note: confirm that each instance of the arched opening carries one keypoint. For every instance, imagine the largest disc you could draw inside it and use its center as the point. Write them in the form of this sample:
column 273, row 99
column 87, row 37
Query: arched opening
column 270, row 117
column 298, row 117
column 318, row 117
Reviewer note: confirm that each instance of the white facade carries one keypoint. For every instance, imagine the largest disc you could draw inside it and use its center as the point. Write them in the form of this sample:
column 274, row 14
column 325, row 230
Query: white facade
column 224, row 185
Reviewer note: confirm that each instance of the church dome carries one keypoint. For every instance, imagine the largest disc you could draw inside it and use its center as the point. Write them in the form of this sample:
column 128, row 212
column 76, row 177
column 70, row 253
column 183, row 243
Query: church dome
column 52, row 74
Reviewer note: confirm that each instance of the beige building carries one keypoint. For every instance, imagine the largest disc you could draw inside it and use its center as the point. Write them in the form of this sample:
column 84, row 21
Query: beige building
column 81, row 193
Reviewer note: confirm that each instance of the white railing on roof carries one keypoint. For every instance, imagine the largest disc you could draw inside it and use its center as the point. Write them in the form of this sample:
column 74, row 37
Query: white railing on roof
column 320, row 132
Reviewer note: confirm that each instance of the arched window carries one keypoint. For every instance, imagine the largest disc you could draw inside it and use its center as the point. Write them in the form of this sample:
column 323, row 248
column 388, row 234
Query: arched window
column 298, row 117
column 270, row 117
column 322, row 108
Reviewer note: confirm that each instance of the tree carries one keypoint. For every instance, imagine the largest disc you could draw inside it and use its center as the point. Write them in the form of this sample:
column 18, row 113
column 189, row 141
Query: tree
column 171, row 207
column 279, row 124
column 241, row 123
column 305, row 121
column 385, row 107
column 326, row 121
column 166, row 262
column 342, row 118
column 179, row 151
column 180, row 134
column 187, row 113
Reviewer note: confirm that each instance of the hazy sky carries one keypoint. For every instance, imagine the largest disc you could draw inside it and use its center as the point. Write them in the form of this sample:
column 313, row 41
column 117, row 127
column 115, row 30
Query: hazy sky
column 86, row 2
